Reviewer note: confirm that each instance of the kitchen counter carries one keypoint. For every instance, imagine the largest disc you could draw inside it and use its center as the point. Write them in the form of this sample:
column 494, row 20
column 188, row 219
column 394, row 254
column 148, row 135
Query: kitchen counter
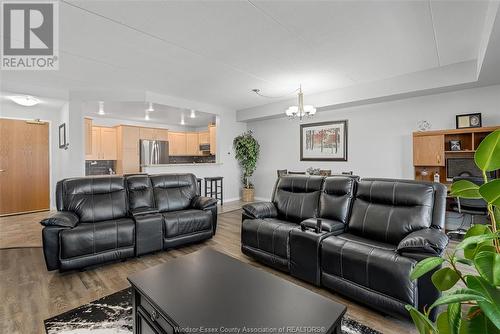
column 185, row 164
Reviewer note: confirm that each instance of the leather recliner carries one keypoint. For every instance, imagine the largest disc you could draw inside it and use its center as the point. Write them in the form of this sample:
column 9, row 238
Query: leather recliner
column 378, row 229
column 102, row 219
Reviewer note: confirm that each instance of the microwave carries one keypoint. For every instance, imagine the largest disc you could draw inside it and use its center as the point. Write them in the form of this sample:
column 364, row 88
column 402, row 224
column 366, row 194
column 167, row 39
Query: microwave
column 204, row 147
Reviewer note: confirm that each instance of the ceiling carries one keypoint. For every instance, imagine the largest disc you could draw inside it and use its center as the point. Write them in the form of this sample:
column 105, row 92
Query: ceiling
column 217, row 51
column 135, row 111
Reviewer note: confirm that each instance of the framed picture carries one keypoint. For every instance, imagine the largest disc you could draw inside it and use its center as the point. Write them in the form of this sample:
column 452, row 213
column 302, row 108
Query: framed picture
column 62, row 136
column 469, row 121
column 326, row 141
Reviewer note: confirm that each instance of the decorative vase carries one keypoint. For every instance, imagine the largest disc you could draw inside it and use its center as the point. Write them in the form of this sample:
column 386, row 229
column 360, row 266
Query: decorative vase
column 248, row 195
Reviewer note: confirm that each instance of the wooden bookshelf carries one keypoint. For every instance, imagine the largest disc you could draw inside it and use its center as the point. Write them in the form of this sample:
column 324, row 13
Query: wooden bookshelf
column 431, row 149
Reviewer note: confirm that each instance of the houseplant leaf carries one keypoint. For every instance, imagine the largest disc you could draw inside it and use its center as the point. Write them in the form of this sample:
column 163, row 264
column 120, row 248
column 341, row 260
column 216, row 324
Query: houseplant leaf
column 457, row 296
column 444, row 279
column 424, row 266
column 474, row 240
column 491, row 304
column 454, row 317
column 423, row 324
column 487, row 156
column 487, row 264
column 442, row 323
column 465, row 189
column 490, row 191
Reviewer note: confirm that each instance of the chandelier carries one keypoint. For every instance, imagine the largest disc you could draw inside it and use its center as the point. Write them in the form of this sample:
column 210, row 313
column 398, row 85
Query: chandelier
column 300, row 111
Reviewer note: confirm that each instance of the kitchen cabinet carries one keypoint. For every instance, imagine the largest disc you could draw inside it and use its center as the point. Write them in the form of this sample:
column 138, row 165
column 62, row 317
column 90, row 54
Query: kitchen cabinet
column 428, row 150
column 88, row 136
column 103, row 145
column 192, row 143
column 177, row 144
column 153, row 134
column 203, row 137
column 128, row 161
column 212, row 138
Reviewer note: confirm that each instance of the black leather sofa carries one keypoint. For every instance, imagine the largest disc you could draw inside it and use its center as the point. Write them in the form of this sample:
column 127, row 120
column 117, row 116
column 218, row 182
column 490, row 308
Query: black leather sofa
column 371, row 235
column 102, row 219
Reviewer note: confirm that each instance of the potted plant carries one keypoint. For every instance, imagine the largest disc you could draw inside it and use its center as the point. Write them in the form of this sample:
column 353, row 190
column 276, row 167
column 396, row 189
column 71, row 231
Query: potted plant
column 473, row 306
column 247, row 152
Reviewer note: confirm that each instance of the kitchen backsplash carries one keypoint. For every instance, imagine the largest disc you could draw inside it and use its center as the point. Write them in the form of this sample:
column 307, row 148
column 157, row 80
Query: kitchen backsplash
column 179, row 159
column 99, row 167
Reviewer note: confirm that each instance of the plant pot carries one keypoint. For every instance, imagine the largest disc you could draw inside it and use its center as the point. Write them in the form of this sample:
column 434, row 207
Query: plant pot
column 248, row 194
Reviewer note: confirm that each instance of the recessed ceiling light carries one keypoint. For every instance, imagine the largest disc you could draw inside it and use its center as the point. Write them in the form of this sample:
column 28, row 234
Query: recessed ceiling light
column 146, row 116
column 182, row 120
column 150, row 107
column 101, row 108
column 193, row 114
column 25, row 100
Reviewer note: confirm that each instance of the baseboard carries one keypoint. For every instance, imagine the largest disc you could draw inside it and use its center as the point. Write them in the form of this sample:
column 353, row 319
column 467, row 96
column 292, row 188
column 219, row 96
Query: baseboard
column 227, row 200
column 263, row 199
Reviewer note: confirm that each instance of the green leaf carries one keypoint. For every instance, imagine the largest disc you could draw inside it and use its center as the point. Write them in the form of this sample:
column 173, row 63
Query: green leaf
column 487, row 264
column 465, row 189
column 475, row 240
column 477, row 230
column 454, row 317
column 443, row 324
column 424, row 266
column 465, row 261
column 457, row 296
column 487, row 156
column 444, row 279
column 491, row 304
column 491, row 192
column 477, row 321
column 423, row 324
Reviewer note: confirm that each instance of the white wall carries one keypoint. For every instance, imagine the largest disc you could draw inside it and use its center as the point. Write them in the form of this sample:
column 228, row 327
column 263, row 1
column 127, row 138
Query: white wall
column 379, row 135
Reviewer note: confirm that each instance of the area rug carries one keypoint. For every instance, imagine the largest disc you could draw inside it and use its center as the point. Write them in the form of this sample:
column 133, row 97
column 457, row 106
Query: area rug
column 113, row 315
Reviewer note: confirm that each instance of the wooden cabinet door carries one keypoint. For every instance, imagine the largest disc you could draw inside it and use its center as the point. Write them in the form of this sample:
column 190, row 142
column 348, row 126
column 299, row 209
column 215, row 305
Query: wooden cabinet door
column 177, row 143
column 108, row 144
column 96, row 144
column 428, row 150
column 203, row 137
column 192, row 144
column 130, row 137
column 128, row 162
column 88, row 136
column 148, row 133
column 161, row 134
column 212, row 135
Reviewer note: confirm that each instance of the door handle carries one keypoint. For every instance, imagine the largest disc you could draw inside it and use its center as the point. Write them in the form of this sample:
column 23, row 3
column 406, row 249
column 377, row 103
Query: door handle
column 2, row 170
column 438, row 159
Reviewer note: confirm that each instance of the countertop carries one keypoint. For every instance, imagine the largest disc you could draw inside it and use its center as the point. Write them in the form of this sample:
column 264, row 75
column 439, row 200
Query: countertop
column 185, row 164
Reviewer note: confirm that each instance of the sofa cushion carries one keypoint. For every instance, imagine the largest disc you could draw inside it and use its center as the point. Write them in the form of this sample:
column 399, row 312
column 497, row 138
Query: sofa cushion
column 93, row 238
column 336, row 198
column 140, row 192
column 186, row 222
column 389, row 210
column 370, row 264
column 270, row 235
column 95, row 199
column 297, row 197
column 173, row 192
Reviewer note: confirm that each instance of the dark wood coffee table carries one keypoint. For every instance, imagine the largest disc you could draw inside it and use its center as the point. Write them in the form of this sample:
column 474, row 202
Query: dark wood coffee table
column 207, row 292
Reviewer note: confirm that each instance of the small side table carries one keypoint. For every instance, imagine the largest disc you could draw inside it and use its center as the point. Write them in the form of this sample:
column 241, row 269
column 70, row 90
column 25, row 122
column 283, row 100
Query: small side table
column 305, row 247
column 214, row 188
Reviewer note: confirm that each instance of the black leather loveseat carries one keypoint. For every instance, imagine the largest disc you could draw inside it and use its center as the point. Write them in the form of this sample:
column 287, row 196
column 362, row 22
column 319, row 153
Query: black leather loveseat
column 371, row 235
column 102, row 219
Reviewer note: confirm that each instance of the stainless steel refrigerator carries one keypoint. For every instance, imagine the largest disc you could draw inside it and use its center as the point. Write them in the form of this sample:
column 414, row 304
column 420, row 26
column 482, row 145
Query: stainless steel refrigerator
column 153, row 152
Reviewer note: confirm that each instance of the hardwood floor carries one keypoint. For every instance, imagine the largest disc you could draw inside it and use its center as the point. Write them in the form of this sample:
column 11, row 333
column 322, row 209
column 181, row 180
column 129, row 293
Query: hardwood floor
column 31, row 294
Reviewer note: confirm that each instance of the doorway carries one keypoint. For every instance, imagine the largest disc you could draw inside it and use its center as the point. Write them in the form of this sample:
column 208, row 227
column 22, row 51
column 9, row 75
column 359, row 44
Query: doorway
column 24, row 166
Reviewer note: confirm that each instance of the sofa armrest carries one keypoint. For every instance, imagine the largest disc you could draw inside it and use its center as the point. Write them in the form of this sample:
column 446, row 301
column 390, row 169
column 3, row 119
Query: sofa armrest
column 202, row 203
column 259, row 210
column 327, row 225
column 143, row 211
column 61, row 219
column 427, row 241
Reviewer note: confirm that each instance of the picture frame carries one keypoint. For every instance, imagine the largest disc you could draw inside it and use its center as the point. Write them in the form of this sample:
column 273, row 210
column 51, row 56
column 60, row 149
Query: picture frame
column 63, row 143
column 455, row 145
column 466, row 121
column 324, row 141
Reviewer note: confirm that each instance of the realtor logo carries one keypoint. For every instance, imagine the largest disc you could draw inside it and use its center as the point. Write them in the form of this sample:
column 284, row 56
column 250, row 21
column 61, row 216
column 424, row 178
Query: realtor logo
column 30, row 35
